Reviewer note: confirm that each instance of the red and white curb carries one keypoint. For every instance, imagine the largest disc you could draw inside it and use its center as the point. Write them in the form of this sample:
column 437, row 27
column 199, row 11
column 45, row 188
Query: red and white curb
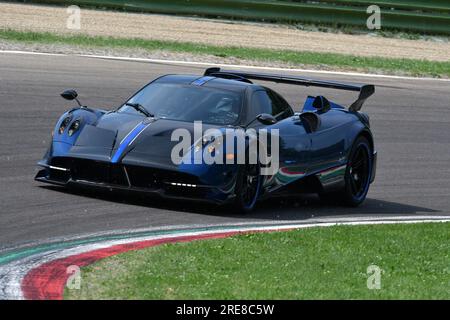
column 43, row 275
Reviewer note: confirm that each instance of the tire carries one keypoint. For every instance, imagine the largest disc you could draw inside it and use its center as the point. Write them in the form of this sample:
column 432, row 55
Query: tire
column 248, row 187
column 357, row 176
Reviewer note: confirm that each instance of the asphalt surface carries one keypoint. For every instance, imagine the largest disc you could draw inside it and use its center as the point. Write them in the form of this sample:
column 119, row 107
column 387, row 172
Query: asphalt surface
column 410, row 121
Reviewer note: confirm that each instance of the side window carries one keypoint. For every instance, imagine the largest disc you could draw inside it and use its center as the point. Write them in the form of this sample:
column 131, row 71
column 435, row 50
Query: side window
column 281, row 109
column 260, row 103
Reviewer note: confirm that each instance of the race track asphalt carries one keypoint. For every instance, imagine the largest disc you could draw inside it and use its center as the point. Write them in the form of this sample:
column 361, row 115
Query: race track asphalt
column 410, row 121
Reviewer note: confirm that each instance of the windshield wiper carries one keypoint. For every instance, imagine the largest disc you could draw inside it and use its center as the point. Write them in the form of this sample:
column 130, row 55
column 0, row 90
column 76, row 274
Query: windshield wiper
column 140, row 108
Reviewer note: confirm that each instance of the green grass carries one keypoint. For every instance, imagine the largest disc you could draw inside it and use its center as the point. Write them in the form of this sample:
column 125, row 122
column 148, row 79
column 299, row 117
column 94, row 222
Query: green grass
column 324, row 60
column 316, row 263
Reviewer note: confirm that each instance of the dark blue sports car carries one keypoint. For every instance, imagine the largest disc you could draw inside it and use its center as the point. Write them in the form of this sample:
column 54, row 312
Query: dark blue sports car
column 325, row 149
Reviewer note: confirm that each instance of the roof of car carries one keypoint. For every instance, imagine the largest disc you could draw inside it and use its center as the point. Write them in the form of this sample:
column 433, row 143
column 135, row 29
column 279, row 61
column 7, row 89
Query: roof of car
column 211, row 82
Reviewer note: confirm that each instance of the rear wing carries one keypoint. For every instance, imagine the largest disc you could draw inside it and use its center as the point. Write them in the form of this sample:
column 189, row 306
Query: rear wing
column 365, row 90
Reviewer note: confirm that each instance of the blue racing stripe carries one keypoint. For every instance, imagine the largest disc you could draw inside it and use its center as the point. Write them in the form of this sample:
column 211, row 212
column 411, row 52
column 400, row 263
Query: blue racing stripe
column 201, row 81
column 128, row 139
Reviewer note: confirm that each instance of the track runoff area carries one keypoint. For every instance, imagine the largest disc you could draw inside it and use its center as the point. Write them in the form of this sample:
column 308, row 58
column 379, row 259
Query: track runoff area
column 25, row 270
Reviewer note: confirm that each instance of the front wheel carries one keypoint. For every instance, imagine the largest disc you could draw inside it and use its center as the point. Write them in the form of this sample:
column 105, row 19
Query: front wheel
column 248, row 186
column 357, row 176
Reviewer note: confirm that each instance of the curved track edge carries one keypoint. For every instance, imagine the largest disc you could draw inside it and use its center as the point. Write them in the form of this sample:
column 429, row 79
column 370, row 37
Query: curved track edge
column 40, row 272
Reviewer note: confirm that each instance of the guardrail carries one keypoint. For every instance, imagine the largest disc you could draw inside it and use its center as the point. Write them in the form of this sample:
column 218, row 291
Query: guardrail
column 437, row 6
column 432, row 17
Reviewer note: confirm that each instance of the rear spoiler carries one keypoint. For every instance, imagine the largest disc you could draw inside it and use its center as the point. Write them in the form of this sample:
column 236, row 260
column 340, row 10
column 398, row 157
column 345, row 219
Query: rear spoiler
column 365, row 90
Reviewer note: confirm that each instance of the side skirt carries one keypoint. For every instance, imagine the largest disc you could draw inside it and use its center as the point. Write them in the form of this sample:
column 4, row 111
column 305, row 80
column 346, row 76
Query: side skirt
column 333, row 178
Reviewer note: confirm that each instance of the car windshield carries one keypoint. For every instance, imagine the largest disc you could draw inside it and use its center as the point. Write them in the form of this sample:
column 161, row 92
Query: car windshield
column 188, row 103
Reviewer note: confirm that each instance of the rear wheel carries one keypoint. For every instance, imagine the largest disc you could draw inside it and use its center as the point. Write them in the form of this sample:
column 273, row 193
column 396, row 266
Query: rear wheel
column 357, row 176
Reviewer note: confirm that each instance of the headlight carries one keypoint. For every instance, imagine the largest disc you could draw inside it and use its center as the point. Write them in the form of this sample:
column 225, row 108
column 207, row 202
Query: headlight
column 64, row 124
column 211, row 148
column 211, row 144
column 74, row 127
column 198, row 146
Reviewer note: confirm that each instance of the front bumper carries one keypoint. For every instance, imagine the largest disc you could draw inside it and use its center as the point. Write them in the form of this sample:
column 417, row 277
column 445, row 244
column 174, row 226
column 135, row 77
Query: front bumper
column 70, row 172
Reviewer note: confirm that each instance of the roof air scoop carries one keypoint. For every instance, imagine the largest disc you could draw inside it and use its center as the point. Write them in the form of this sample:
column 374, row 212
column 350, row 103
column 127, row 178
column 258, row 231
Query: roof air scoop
column 321, row 104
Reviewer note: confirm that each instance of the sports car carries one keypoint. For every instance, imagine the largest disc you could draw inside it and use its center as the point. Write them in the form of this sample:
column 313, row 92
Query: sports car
column 326, row 148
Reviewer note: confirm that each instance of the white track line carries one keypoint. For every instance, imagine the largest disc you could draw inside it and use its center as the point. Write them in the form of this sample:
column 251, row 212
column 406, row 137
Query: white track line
column 193, row 63
column 32, row 52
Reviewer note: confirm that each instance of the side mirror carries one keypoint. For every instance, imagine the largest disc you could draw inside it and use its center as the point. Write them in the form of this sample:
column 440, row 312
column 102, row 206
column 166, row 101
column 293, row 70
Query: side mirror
column 71, row 95
column 266, row 119
column 321, row 104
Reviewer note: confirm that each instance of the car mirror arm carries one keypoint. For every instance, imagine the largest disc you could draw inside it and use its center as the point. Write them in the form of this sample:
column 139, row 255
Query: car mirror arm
column 264, row 118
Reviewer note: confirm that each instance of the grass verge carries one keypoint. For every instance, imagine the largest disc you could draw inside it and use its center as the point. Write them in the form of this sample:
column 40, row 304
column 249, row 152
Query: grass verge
column 324, row 60
column 316, row 263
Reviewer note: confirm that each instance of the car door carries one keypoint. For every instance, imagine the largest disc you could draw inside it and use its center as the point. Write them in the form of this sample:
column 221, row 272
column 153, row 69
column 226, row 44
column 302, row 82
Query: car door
column 294, row 143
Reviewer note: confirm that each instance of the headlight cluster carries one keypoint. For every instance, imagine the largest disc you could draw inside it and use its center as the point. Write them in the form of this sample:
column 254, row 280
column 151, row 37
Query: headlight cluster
column 73, row 127
column 211, row 143
column 64, row 124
